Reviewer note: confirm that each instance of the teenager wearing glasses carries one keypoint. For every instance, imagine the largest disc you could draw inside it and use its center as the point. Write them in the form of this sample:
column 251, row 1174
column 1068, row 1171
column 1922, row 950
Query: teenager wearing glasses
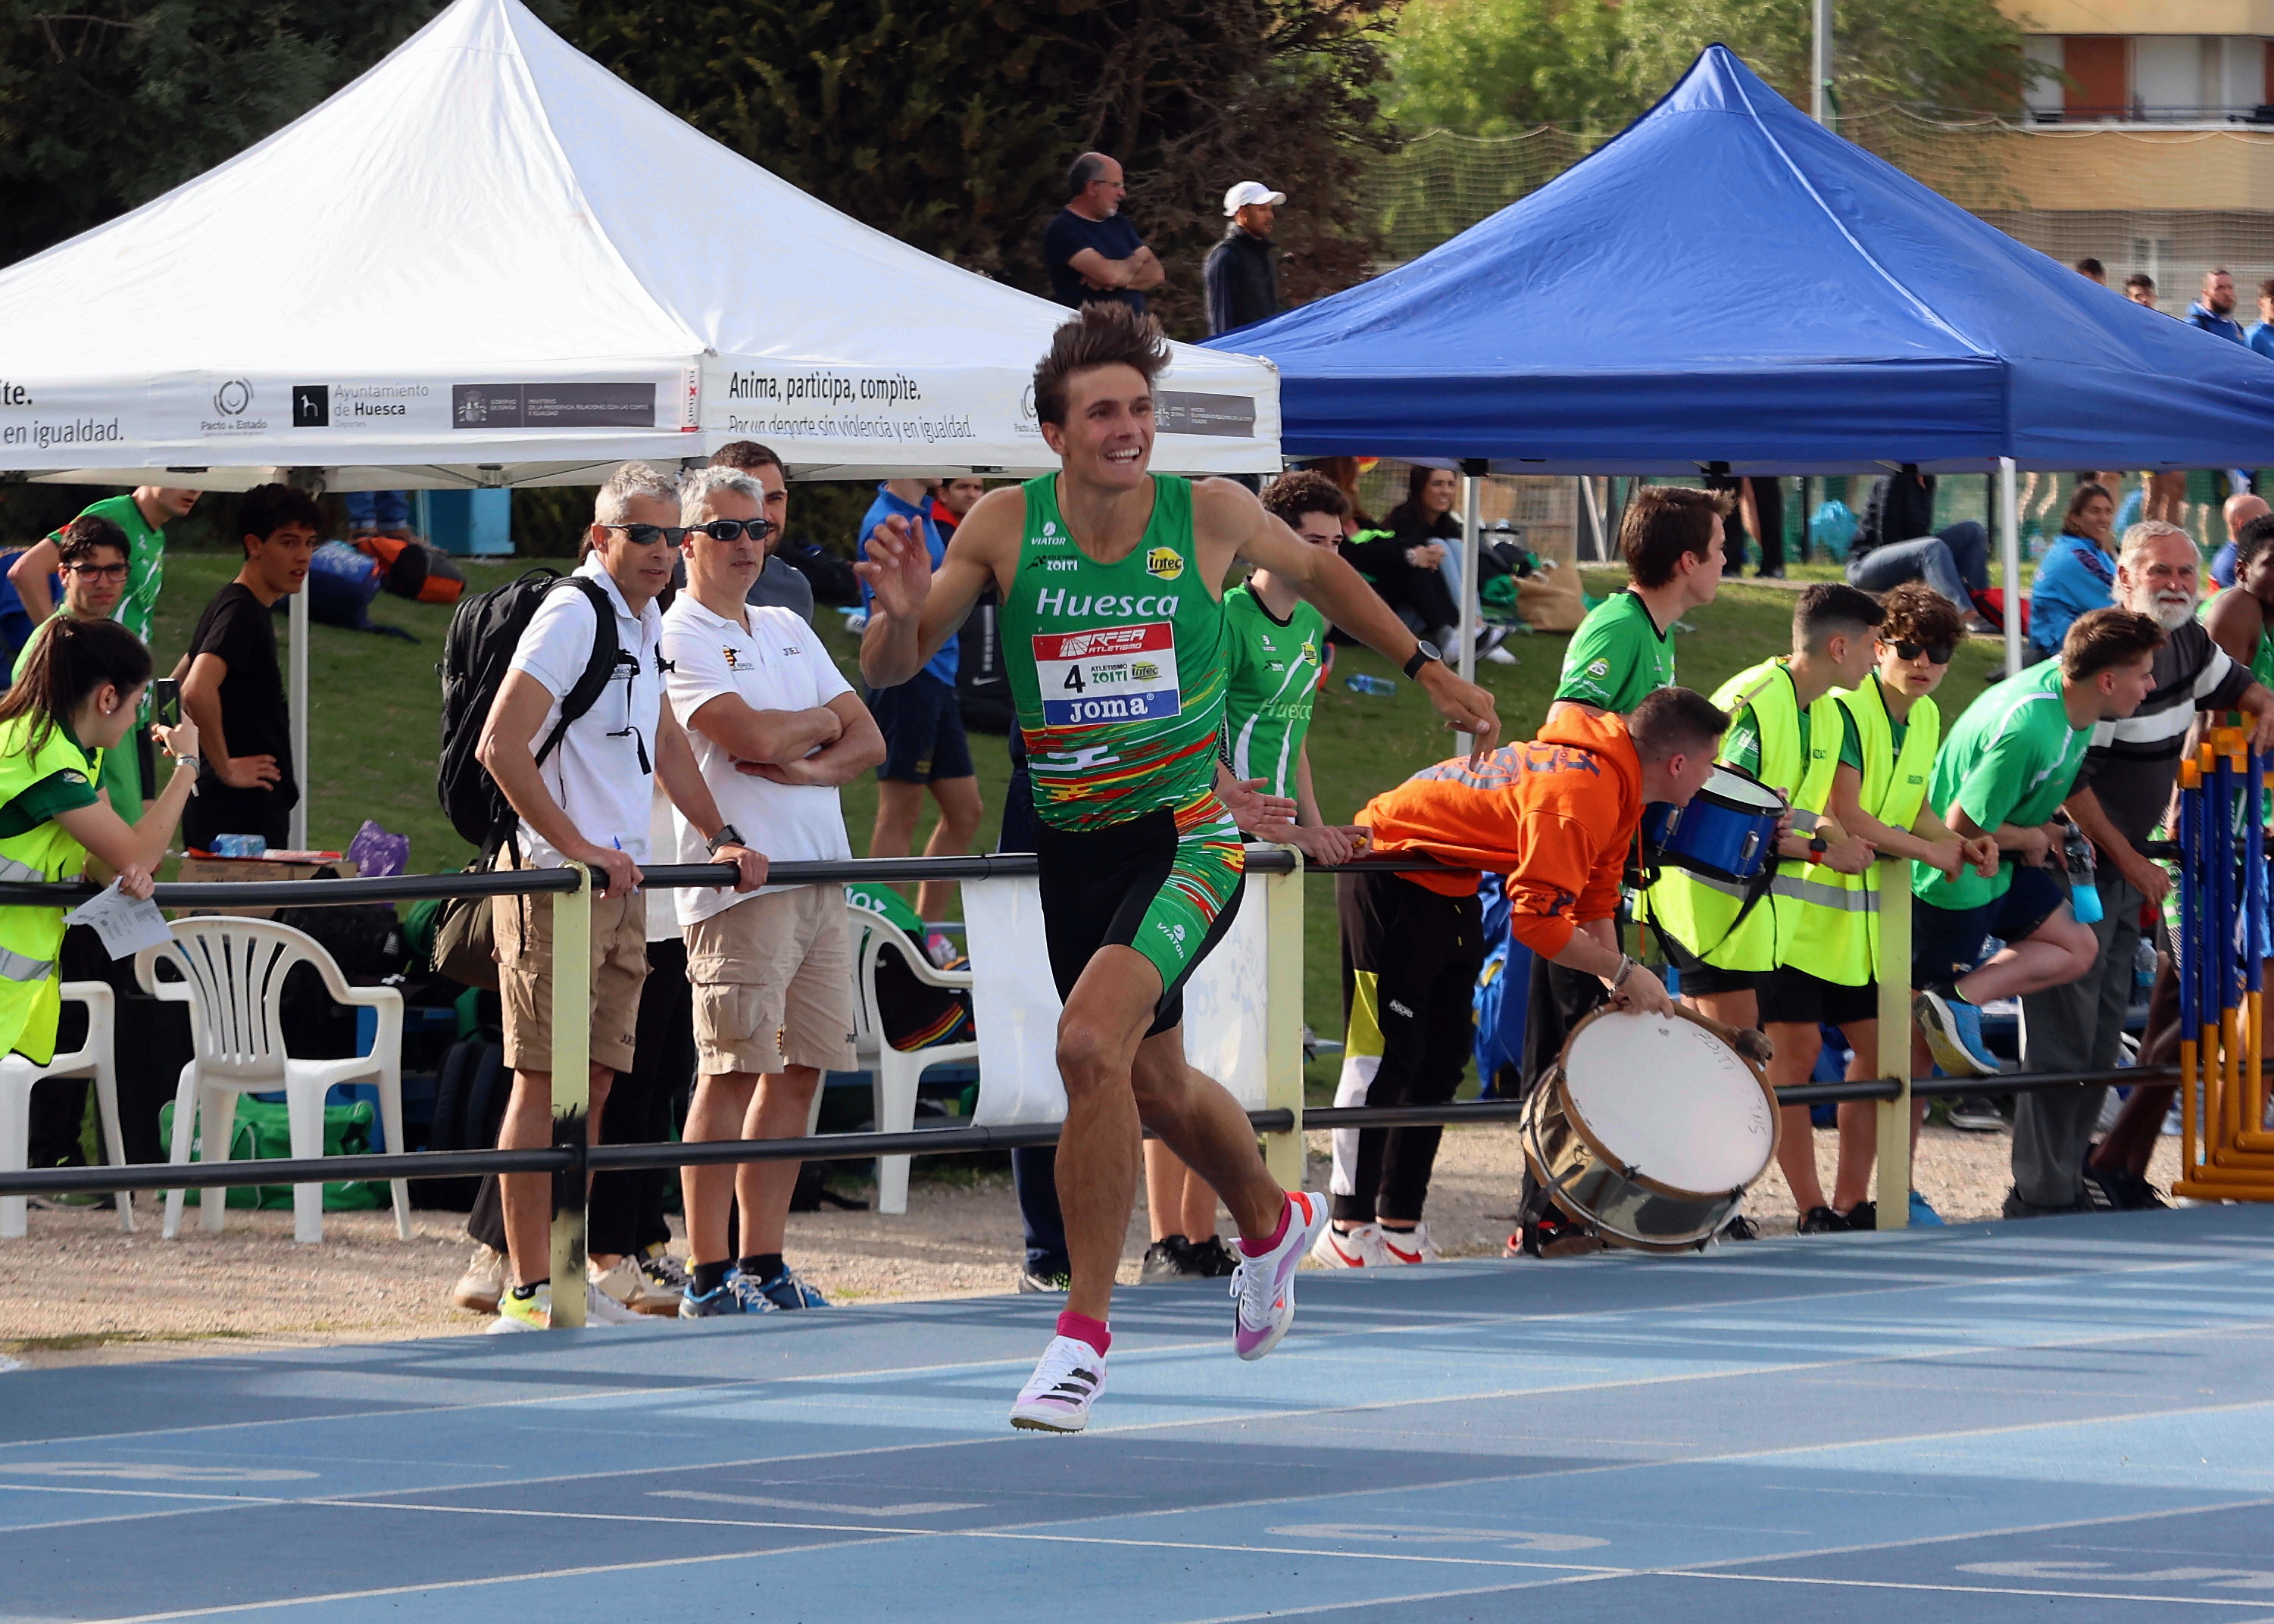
column 92, row 552
column 1890, row 733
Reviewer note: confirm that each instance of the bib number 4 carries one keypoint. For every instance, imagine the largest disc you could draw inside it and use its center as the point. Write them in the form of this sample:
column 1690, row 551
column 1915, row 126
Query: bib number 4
column 1108, row 674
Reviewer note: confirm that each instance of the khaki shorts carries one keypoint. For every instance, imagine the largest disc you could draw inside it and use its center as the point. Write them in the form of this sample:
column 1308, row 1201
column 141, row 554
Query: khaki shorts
column 773, row 983
column 524, row 951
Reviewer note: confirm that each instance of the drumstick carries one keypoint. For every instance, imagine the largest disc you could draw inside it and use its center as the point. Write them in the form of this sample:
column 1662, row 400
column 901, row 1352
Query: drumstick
column 1750, row 1041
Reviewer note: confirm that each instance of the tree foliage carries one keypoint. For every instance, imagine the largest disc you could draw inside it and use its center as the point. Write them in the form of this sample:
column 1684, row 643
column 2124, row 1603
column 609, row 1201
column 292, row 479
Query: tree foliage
column 104, row 104
column 949, row 124
column 1493, row 67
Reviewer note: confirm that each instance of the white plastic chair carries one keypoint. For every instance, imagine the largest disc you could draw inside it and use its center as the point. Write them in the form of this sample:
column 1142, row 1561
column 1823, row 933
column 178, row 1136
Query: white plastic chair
column 895, row 1072
column 92, row 1058
column 233, row 974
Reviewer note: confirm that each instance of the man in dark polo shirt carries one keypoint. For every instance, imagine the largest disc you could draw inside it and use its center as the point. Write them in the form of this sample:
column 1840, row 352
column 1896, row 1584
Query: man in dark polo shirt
column 1093, row 254
column 2122, row 789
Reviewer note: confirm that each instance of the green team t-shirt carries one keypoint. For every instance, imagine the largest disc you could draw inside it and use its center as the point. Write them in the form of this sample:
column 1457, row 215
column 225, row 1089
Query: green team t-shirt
column 1272, row 680
column 1617, row 656
column 2012, row 758
column 146, row 562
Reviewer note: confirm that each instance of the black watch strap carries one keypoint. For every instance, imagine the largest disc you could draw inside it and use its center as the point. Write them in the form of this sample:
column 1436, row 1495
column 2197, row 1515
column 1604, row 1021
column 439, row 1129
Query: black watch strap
column 1422, row 655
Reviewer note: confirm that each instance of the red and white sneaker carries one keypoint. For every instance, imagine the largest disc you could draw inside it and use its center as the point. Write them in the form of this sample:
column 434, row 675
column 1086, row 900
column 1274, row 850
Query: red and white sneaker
column 1066, row 1381
column 1412, row 1246
column 1263, row 1289
column 1357, row 1247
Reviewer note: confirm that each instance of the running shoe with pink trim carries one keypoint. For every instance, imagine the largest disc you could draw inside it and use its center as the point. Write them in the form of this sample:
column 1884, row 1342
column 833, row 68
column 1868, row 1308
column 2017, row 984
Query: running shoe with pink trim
column 1066, row 1381
column 1263, row 1288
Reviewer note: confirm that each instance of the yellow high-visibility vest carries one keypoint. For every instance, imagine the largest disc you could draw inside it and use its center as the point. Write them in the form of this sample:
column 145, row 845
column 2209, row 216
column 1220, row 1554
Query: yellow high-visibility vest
column 30, row 989
column 1837, row 931
column 1701, row 912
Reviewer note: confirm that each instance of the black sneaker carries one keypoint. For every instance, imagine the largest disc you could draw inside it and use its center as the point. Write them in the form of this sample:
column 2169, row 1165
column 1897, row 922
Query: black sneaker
column 2120, row 1190
column 1553, row 1235
column 1821, row 1220
column 1054, row 1285
column 1168, row 1259
column 1739, row 1228
column 1213, row 1258
column 2016, row 1207
column 2100, row 1189
column 1976, row 1115
column 1862, row 1216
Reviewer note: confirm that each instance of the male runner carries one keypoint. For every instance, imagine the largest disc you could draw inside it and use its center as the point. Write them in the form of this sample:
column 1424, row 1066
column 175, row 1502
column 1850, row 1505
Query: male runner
column 1113, row 629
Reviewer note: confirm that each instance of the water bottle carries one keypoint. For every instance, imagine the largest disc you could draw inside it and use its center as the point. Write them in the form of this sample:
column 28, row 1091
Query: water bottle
column 1359, row 682
column 2083, row 894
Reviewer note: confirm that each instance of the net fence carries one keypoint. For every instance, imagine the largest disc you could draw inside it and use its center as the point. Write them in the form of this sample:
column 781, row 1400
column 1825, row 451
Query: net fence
column 2169, row 202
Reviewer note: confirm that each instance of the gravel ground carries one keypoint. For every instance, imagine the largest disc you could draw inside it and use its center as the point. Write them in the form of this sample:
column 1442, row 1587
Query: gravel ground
column 77, row 1291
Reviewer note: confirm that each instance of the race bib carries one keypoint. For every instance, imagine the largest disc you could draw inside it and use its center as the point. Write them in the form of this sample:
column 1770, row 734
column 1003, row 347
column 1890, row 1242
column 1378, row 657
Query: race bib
column 1109, row 673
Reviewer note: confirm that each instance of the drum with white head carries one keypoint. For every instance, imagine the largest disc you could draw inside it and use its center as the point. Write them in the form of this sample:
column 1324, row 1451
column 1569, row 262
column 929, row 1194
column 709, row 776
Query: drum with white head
column 1650, row 1128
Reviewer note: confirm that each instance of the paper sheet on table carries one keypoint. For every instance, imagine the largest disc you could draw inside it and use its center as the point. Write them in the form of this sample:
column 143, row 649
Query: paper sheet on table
column 126, row 924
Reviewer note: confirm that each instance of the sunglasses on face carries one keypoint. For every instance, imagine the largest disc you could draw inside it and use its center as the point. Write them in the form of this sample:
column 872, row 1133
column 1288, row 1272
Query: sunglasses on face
column 648, row 535
column 733, row 529
column 1936, row 653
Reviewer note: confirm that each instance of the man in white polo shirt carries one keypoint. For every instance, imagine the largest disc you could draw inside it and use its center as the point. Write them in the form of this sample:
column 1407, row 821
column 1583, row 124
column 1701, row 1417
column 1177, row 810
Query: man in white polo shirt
column 776, row 728
column 588, row 803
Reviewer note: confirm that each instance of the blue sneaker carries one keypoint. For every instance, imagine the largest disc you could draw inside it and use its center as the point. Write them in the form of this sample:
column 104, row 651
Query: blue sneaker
column 784, row 1290
column 1923, row 1216
column 735, row 1294
column 1954, row 1033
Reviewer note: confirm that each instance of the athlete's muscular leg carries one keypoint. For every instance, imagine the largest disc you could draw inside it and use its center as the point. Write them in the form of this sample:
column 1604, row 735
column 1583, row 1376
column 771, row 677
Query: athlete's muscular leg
column 1099, row 1034
column 1196, row 1117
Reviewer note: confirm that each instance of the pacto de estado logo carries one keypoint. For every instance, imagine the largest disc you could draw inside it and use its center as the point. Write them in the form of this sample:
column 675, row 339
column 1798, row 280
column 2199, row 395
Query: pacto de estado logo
column 234, row 398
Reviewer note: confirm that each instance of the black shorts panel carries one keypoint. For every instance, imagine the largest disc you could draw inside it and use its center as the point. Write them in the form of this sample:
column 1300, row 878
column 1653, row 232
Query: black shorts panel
column 922, row 726
column 1701, row 979
column 1796, row 997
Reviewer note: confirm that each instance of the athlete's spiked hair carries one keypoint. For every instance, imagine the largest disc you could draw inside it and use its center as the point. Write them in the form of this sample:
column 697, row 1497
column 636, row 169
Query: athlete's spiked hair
column 1097, row 335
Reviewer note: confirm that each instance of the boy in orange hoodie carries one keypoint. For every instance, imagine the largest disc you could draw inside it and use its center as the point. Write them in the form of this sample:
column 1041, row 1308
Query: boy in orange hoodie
column 1557, row 816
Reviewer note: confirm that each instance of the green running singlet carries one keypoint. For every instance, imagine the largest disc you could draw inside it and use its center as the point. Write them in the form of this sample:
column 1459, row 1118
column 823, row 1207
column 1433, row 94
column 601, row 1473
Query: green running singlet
column 1275, row 679
column 1118, row 671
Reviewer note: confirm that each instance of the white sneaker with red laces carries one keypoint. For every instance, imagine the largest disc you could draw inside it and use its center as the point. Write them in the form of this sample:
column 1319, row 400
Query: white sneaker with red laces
column 1066, row 1381
column 1358, row 1247
column 1412, row 1246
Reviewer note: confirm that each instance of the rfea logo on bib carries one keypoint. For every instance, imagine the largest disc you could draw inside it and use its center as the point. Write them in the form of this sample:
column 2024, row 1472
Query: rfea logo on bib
column 1164, row 563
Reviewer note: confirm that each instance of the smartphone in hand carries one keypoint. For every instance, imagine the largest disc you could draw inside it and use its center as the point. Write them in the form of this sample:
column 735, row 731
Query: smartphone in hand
column 166, row 702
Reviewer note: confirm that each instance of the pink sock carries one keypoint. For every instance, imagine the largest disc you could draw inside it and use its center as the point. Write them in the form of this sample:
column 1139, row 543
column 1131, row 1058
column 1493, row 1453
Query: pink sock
column 1084, row 1328
column 1256, row 1249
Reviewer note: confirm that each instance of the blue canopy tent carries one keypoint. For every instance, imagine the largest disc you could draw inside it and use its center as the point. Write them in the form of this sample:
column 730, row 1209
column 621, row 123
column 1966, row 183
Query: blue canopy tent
column 1728, row 281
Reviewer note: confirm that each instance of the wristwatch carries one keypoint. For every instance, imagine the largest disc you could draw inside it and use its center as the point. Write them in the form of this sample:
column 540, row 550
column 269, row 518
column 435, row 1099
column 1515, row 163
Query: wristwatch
column 727, row 835
column 1423, row 653
column 1818, row 846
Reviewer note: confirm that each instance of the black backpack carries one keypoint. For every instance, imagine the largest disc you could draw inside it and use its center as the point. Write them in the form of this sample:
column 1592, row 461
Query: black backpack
column 484, row 634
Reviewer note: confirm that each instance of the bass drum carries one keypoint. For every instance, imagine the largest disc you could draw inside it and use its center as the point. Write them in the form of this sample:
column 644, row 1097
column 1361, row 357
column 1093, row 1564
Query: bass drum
column 1649, row 1130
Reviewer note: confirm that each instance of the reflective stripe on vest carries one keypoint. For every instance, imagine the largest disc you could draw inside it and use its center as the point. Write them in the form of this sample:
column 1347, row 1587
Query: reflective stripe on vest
column 17, row 873
column 16, row 967
column 1701, row 912
column 1836, row 935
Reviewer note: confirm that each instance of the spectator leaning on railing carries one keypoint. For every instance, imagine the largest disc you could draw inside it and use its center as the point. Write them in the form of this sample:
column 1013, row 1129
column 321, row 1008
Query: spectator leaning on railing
column 588, row 803
column 775, row 729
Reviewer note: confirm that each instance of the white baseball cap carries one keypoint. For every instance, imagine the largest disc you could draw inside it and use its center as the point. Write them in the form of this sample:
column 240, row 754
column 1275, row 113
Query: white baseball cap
column 1249, row 191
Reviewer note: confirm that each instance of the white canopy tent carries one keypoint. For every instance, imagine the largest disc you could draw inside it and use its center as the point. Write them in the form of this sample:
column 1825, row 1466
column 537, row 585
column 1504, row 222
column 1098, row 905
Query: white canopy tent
column 490, row 262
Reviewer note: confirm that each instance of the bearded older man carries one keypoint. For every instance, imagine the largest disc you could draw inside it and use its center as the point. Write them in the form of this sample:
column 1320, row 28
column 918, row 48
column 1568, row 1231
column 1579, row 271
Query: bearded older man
column 2121, row 792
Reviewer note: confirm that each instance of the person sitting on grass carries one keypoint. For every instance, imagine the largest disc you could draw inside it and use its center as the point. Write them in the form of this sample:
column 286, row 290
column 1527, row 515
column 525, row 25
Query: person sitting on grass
column 2004, row 771
column 1891, row 729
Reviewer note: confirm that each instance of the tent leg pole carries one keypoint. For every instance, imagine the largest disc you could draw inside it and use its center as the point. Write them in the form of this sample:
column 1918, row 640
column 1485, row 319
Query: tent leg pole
column 2009, row 555
column 1471, row 520
column 312, row 480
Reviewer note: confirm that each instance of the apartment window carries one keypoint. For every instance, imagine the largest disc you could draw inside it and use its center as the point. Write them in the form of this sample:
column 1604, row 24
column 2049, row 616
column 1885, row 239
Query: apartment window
column 2097, row 66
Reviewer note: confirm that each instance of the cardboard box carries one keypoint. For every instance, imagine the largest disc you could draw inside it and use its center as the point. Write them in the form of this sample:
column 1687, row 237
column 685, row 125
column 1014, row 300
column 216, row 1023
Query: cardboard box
column 238, row 870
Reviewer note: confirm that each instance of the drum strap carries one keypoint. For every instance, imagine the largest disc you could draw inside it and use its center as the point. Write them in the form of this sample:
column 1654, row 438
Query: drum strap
column 1755, row 890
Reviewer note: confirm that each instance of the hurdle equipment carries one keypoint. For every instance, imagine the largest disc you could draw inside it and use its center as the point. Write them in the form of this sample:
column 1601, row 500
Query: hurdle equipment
column 2226, row 1152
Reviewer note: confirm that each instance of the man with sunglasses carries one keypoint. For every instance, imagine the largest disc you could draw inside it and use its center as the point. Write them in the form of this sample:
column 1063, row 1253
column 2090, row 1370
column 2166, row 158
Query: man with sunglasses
column 589, row 802
column 776, row 730
column 93, row 552
column 2120, row 795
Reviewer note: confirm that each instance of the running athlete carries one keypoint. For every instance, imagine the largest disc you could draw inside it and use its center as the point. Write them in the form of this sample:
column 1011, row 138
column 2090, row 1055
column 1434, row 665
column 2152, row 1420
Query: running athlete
column 1112, row 622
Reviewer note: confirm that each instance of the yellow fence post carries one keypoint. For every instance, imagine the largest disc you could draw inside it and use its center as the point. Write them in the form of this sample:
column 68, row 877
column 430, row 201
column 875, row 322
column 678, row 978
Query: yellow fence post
column 1893, row 1192
column 572, row 1085
column 1283, row 1019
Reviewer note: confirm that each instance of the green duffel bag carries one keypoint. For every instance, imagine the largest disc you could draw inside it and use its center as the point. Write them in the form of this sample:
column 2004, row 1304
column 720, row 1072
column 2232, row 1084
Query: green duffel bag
column 263, row 1129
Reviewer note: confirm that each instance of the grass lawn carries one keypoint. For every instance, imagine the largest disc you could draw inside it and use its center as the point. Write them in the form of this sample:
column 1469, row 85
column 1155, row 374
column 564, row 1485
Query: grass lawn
column 374, row 732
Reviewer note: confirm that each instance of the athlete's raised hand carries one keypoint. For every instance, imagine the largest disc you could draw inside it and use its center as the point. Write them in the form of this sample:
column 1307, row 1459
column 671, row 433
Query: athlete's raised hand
column 898, row 569
column 1268, row 817
column 1465, row 707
